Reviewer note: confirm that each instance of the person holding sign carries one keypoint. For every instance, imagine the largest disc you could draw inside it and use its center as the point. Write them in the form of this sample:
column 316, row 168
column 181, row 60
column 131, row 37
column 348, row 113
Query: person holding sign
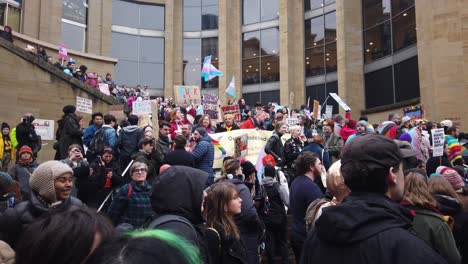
column 177, row 121
column 228, row 124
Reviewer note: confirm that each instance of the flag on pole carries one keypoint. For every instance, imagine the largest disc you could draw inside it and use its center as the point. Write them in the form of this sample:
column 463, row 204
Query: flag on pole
column 231, row 89
column 209, row 71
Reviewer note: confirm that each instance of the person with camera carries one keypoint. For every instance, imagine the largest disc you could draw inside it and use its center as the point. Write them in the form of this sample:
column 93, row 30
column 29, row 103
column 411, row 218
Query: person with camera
column 26, row 135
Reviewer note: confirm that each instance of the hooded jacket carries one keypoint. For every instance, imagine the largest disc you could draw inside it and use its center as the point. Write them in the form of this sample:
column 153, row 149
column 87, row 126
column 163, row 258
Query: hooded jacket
column 278, row 200
column 366, row 228
column 204, row 154
column 127, row 142
column 70, row 133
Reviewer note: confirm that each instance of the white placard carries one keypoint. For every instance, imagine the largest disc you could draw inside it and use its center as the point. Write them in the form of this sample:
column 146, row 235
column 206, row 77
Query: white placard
column 329, row 111
column 141, row 107
column 340, row 101
column 84, row 105
column 44, row 128
column 104, row 88
column 292, row 121
column 438, row 141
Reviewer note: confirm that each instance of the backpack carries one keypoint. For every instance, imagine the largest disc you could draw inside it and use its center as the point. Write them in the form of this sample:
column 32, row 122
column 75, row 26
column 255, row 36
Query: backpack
column 98, row 142
column 164, row 219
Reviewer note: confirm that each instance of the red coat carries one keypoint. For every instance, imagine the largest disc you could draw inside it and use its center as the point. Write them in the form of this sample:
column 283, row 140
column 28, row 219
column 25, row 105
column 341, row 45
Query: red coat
column 248, row 124
column 177, row 126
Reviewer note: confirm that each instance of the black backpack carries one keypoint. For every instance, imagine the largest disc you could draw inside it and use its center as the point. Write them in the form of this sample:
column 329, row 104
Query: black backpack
column 164, row 219
column 99, row 141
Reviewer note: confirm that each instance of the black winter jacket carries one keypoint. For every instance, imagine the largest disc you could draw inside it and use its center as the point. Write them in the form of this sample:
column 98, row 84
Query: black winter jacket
column 225, row 250
column 127, row 142
column 179, row 157
column 274, row 147
column 366, row 228
column 69, row 133
column 276, row 211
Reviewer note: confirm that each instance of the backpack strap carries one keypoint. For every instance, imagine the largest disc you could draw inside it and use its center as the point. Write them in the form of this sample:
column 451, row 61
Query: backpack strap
column 164, row 219
column 219, row 238
column 130, row 190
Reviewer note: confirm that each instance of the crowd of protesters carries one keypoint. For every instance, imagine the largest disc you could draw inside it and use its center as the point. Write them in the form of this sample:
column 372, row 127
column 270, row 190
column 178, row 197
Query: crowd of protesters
column 355, row 192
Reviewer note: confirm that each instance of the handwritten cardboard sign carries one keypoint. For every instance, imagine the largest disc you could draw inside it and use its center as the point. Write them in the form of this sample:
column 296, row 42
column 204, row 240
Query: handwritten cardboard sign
column 233, row 110
column 187, row 95
column 84, row 105
column 210, row 105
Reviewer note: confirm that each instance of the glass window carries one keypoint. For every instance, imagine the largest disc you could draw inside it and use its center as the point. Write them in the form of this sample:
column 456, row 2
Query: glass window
column 251, row 71
column 379, row 88
column 375, row 11
column 316, row 92
column 152, row 17
column 269, row 44
column 151, row 49
column 192, row 51
column 213, row 83
column 312, row 4
column 210, row 17
column 192, row 74
column 14, row 16
column 269, row 10
column 192, row 21
column 73, row 36
column 400, row 5
column 315, row 61
column 251, row 98
column 331, row 57
column 314, row 32
column 332, row 87
column 377, row 42
column 327, row 2
column 120, row 44
column 125, row 14
column 270, row 96
column 126, row 72
column 152, row 74
column 407, row 79
column 75, row 10
column 251, row 44
column 196, row 3
column 210, row 47
column 270, row 69
column 330, row 27
column 404, row 30
column 251, row 11
column 2, row 14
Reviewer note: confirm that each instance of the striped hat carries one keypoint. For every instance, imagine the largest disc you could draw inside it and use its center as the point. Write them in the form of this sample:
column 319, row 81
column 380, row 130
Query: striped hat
column 452, row 177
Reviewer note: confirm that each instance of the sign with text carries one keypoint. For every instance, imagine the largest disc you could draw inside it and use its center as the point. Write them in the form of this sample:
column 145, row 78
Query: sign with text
column 292, row 121
column 329, row 111
column 63, row 53
column 438, row 141
column 44, row 128
column 104, row 88
column 316, row 112
column 187, row 95
column 141, row 107
column 233, row 110
column 210, row 105
column 340, row 101
column 84, row 105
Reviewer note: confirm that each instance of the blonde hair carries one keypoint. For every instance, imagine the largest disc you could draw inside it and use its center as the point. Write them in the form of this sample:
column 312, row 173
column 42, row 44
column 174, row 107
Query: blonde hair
column 440, row 185
column 228, row 116
column 335, row 182
column 294, row 128
column 417, row 191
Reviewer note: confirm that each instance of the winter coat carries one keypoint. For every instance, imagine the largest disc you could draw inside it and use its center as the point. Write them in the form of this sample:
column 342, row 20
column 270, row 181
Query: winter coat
column 277, row 199
column 70, row 133
column 26, row 135
column 111, row 137
column 128, row 139
column 247, row 221
column 379, row 233
column 89, row 134
column 222, row 127
column 179, row 157
column 274, row 147
column 225, row 250
column 131, row 206
column 292, row 149
column 177, row 127
column 95, row 187
column 14, row 220
column 204, row 155
column 162, row 148
column 431, row 227
column 5, row 142
column 346, row 132
column 146, row 158
column 21, row 174
column 318, row 149
column 334, row 144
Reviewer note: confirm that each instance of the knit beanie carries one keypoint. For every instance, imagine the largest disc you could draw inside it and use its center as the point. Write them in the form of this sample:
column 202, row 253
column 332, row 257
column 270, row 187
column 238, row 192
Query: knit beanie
column 25, row 149
column 5, row 125
column 269, row 171
column 201, row 131
column 362, row 123
column 406, row 137
column 69, row 109
column 452, row 176
column 43, row 178
column 248, row 168
column 5, row 177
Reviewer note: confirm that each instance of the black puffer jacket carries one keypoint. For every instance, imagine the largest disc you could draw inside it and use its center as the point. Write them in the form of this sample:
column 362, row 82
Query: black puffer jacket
column 274, row 147
column 366, row 228
column 225, row 250
column 128, row 139
column 70, row 133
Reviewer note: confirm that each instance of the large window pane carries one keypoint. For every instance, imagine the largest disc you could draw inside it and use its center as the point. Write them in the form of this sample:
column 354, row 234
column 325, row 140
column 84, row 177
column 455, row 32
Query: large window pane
column 314, row 32
column 152, row 74
column 251, row 98
column 152, row 17
column 251, row 11
column 75, row 10
column 269, row 10
column 126, row 72
column 192, row 51
column 192, row 3
column 407, row 80
column 404, row 30
column 213, row 83
column 2, row 13
column 192, row 74
column 151, row 49
column 331, row 57
column 14, row 16
column 209, row 17
column 269, row 44
column 270, row 69
column 379, row 88
column 120, row 46
column 314, row 61
column 330, row 27
column 251, row 71
column 312, row 4
column 399, row 5
column 251, row 44
column 270, row 96
column 375, row 11
column 377, row 42
column 332, row 87
column 73, row 36
column 210, row 47
column 125, row 14
column 316, row 92
column 192, row 18
column 327, row 2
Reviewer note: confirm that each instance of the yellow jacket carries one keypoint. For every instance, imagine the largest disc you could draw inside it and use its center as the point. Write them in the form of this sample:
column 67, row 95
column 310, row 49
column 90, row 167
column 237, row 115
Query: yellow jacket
column 2, row 147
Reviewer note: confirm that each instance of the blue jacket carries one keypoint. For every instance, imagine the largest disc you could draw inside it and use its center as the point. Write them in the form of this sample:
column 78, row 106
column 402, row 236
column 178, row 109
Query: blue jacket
column 111, row 137
column 204, row 155
column 317, row 149
column 89, row 134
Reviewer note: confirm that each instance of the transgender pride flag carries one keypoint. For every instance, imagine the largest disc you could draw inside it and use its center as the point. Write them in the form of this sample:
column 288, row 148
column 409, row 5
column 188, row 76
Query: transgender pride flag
column 209, row 71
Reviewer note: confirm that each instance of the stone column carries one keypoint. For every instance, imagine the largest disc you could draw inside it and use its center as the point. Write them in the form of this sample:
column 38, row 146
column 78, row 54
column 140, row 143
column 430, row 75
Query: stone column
column 292, row 69
column 173, row 47
column 230, row 46
column 42, row 19
column 98, row 35
column 442, row 31
column 349, row 52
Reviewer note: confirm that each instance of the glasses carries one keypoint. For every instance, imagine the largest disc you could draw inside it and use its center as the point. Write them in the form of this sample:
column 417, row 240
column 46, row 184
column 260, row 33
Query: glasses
column 139, row 170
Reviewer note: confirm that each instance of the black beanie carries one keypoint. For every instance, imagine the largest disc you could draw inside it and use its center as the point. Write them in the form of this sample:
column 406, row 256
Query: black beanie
column 269, row 171
column 69, row 109
column 248, row 168
column 133, row 120
column 5, row 125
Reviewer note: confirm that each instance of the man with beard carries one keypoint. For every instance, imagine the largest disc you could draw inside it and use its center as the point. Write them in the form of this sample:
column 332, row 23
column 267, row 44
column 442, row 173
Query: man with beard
column 256, row 122
column 369, row 226
column 303, row 191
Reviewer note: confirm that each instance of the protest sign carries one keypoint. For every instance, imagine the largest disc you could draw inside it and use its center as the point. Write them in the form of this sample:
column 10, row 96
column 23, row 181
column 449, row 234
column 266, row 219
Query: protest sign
column 187, row 95
column 104, row 88
column 328, row 111
column 210, row 105
column 292, row 121
column 84, row 105
column 141, row 107
column 233, row 110
column 316, row 112
column 117, row 111
column 44, row 128
column 241, row 146
column 438, row 141
column 340, row 101
column 63, row 53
